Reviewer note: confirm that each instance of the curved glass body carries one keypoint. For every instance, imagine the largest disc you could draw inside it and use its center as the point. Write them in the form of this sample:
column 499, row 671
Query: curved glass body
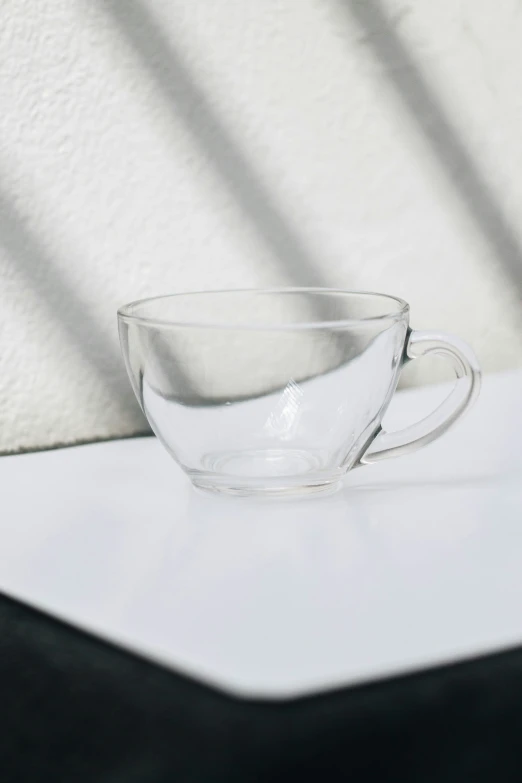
column 279, row 391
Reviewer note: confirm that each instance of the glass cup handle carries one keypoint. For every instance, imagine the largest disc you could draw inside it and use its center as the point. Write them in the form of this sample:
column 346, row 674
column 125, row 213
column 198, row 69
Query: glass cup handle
column 462, row 396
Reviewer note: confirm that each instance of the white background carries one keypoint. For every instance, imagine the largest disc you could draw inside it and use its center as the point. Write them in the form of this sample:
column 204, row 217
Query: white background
column 165, row 145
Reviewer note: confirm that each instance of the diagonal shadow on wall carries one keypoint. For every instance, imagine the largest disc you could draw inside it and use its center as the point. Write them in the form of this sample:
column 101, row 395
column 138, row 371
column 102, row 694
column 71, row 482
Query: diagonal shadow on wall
column 66, row 306
column 189, row 104
column 427, row 112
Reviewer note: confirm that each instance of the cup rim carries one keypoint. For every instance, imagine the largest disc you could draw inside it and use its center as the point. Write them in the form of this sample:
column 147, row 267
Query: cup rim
column 402, row 309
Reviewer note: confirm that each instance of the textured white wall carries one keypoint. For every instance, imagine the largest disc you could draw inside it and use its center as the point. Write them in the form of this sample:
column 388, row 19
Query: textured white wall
column 162, row 145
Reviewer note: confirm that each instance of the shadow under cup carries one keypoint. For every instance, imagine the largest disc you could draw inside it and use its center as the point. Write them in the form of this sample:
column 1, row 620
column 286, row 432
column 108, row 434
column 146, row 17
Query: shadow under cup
column 265, row 392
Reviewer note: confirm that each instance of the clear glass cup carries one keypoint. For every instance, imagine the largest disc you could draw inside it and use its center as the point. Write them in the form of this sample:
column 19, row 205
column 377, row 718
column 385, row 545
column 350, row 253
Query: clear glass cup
column 281, row 392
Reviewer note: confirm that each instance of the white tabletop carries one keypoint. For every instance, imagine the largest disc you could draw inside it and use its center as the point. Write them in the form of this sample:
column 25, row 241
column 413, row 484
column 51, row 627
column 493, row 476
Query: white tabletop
column 417, row 561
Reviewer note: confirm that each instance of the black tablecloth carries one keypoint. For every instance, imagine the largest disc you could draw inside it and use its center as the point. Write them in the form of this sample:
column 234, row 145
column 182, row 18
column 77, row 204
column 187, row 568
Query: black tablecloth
column 75, row 709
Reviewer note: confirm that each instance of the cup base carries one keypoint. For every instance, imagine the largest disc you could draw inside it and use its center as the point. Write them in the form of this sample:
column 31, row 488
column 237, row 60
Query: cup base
column 221, row 485
column 266, row 473
column 290, row 492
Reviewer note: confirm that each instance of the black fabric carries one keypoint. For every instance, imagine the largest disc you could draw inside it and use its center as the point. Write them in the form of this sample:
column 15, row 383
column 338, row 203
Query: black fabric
column 75, row 709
